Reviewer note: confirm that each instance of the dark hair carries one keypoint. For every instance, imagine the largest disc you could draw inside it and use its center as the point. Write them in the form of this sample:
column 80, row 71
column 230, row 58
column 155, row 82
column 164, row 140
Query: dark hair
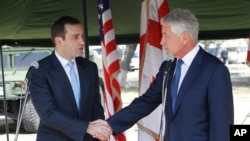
column 58, row 30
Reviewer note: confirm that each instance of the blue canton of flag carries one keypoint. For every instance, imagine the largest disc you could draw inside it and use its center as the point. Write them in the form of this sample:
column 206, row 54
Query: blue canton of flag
column 103, row 5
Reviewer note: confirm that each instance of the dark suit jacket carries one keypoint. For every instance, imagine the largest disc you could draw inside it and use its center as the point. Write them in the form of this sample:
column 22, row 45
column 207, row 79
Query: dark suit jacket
column 204, row 106
column 54, row 101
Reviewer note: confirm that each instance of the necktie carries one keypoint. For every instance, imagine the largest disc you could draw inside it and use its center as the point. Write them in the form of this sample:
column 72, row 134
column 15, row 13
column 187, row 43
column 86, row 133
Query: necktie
column 74, row 83
column 175, row 83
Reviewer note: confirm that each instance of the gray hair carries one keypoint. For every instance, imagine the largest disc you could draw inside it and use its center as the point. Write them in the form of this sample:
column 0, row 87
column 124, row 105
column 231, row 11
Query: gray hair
column 182, row 20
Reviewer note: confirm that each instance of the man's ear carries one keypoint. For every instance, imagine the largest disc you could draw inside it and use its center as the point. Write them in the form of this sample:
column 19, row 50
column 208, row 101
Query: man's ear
column 185, row 37
column 59, row 41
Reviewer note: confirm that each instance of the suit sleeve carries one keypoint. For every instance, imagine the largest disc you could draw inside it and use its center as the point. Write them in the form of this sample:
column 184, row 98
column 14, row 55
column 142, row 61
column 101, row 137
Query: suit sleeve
column 97, row 111
column 140, row 107
column 221, row 110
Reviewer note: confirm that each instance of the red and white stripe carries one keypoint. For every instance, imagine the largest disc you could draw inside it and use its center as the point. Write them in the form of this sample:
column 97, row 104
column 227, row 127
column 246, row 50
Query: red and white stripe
column 111, row 64
column 151, row 52
column 248, row 52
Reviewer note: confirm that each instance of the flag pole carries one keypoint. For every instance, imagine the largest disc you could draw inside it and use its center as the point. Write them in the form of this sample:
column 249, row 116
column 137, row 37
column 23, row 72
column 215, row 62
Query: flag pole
column 85, row 27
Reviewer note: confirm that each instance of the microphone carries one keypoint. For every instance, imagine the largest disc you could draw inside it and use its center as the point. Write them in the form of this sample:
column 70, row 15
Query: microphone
column 32, row 68
column 169, row 60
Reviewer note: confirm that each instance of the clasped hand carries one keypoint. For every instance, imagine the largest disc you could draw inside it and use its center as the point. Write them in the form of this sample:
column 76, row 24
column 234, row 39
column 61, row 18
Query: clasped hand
column 99, row 129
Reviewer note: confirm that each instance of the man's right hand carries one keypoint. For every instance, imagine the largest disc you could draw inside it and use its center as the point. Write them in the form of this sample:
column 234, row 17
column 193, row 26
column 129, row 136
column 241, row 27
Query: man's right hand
column 99, row 129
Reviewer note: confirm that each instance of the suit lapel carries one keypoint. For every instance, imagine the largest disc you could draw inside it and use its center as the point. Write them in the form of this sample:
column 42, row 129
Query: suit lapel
column 190, row 76
column 59, row 77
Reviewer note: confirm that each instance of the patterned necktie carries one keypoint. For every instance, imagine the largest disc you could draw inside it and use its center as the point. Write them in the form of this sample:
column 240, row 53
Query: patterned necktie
column 74, row 82
column 175, row 83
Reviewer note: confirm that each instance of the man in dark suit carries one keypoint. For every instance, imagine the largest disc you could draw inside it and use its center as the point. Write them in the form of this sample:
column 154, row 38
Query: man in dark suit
column 201, row 107
column 67, row 97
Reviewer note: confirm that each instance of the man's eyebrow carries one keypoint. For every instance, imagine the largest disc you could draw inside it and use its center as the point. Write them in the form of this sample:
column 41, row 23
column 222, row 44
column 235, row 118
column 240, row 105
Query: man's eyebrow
column 76, row 35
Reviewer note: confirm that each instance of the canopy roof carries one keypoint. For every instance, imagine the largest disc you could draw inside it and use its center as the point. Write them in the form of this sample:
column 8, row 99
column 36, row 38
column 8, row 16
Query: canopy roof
column 29, row 21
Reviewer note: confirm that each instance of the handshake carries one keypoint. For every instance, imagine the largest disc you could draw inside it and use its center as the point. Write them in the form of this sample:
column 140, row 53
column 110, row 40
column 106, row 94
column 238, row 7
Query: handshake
column 99, row 129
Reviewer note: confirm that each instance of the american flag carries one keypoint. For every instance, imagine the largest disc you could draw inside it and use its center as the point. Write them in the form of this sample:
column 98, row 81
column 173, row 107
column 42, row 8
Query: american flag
column 151, row 52
column 111, row 64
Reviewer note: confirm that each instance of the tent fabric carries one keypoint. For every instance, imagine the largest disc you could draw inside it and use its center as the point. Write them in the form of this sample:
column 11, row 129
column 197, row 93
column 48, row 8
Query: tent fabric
column 29, row 21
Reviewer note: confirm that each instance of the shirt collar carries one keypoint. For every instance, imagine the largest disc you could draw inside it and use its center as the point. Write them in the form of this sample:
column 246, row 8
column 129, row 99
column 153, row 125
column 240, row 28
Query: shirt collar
column 189, row 57
column 63, row 61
